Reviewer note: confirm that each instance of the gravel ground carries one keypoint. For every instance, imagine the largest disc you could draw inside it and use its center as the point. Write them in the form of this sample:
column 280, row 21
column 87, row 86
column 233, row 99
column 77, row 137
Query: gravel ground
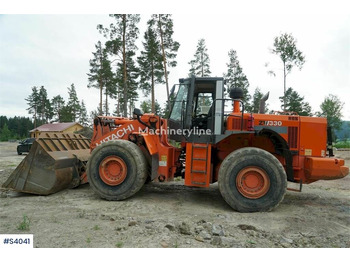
column 172, row 215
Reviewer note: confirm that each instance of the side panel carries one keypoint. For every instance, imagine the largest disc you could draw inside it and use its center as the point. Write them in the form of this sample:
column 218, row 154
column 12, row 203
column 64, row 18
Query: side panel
column 286, row 126
column 313, row 136
column 165, row 155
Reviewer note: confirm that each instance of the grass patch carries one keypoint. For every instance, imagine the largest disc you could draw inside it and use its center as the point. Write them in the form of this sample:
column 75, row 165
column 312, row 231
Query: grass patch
column 96, row 227
column 342, row 144
column 88, row 240
column 25, row 223
column 251, row 242
column 119, row 244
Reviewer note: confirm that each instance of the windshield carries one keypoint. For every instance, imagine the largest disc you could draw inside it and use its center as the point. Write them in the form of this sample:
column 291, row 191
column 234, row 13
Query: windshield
column 179, row 103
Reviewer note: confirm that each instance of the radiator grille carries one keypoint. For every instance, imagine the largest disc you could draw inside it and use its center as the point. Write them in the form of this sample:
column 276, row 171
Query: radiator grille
column 293, row 137
column 238, row 122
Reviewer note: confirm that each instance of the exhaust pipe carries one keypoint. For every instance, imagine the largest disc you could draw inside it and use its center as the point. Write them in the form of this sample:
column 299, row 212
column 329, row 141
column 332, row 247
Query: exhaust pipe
column 263, row 102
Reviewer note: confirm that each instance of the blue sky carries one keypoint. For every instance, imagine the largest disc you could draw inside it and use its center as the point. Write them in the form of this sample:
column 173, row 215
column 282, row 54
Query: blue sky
column 54, row 51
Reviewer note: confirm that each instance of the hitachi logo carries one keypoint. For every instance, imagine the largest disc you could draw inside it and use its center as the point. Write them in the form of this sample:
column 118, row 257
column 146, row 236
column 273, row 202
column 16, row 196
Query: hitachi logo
column 118, row 133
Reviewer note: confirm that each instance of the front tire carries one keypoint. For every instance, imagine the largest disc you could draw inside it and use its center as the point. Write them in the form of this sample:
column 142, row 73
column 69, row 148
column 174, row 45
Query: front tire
column 252, row 180
column 117, row 170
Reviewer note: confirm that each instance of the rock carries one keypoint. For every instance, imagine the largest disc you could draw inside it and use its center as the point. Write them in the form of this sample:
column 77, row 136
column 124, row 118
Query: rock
column 247, row 227
column 208, row 226
column 199, row 238
column 149, row 227
column 286, row 240
column 184, row 229
column 216, row 241
column 230, row 242
column 198, row 229
column 202, row 221
column 164, row 244
column 285, row 245
column 205, row 235
column 132, row 223
column 217, row 230
column 148, row 221
column 119, row 228
column 3, row 195
column 170, row 227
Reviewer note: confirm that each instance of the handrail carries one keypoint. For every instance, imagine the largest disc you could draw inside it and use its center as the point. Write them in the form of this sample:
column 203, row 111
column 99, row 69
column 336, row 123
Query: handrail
column 223, row 106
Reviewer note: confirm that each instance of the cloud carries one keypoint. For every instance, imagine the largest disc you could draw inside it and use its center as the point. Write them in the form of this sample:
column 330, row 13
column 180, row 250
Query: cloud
column 54, row 51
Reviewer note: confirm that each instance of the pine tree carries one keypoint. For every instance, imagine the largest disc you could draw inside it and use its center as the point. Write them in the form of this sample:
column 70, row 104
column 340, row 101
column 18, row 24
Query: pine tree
column 73, row 103
column 163, row 24
column 293, row 102
column 66, row 114
column 132, row 83
column 109, row 83
column 151, row 67
column 101, row 75
column 123, row 33
column 236, row 78
column 57, row 104
column 5, row 133
column 3, row 121
column 83, row 118
column 255, row 104
column 15, row 127
column 44, row 108
column 33, row 103
column 146, row 107
column 200, row 65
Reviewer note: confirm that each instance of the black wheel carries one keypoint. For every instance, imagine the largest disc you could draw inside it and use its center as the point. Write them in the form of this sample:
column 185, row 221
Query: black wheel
column 19, row 153
column 116, row 170
column 252, row 180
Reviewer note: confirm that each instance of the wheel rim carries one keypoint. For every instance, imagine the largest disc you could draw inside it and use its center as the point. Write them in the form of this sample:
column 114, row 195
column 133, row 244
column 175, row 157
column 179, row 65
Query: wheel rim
column 113, row 170
column 252, row 182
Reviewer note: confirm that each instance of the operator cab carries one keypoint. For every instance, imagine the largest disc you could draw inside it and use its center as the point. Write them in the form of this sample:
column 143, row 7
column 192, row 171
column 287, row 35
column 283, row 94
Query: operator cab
column 196, row 103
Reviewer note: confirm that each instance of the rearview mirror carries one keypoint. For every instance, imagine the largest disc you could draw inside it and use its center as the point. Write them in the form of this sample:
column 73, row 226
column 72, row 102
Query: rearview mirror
column 138, row 112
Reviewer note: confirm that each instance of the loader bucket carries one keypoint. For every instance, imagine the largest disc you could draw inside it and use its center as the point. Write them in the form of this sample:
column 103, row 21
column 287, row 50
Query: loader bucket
column 56, row 161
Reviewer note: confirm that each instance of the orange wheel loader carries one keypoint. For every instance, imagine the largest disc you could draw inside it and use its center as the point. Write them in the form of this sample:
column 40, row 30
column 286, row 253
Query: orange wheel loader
column 209, row 138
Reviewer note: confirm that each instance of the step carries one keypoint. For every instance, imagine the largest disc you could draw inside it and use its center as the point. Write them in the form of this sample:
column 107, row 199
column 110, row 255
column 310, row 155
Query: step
column 198, row 171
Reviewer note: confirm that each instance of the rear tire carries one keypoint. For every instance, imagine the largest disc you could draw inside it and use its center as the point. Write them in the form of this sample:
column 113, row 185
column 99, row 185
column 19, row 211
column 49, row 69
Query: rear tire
column 252, row 180
column 117, row 170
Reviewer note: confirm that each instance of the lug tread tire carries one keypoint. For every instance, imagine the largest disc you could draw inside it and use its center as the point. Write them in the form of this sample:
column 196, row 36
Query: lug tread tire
column 251, row 156
column 136, row 164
